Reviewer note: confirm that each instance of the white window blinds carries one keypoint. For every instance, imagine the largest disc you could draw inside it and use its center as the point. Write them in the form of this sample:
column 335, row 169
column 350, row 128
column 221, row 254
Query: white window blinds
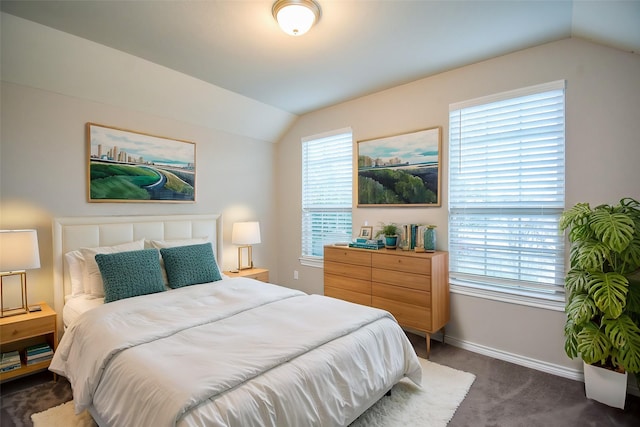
column 327, row 177
column 506, row 193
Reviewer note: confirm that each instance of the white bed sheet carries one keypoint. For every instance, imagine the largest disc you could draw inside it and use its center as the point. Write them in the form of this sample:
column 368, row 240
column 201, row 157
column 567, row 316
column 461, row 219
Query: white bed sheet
column 78, row 304
column 303, row 372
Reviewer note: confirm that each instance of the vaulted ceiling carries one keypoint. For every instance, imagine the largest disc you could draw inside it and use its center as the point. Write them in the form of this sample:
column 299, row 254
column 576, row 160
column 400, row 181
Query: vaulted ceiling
column 357, row 47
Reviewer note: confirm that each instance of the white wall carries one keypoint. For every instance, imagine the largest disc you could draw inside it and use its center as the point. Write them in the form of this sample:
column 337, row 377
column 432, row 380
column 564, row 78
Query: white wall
column 603, row 149
column 43, row 157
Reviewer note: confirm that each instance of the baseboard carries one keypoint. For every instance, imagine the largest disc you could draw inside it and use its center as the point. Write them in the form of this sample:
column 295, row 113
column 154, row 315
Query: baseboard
column 549, row 368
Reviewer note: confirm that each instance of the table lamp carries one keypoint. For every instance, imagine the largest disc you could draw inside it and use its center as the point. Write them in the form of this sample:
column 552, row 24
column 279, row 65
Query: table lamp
column 18, row 252
column 245, row 234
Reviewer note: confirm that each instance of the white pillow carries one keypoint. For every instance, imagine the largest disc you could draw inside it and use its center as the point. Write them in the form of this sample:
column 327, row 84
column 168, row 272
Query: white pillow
column 160, row 244
column 75, row 268
column 92, row 277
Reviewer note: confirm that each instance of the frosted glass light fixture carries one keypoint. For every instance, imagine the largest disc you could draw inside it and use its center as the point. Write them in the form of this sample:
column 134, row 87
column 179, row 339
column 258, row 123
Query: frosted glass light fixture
column 18, row 252
column 245, row 234
column 296, row 17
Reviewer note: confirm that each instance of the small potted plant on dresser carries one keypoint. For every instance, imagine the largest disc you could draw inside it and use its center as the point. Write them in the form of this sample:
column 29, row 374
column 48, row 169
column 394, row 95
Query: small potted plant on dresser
column 390, row 233
column 603, row 296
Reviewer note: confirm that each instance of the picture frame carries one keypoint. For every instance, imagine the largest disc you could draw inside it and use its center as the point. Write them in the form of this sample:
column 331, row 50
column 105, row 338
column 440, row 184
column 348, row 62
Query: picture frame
column 128, row 166
column 366, row 232
column 411, row 159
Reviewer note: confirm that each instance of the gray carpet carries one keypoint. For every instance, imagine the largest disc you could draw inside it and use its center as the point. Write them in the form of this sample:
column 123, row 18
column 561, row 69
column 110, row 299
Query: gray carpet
column 503, row 395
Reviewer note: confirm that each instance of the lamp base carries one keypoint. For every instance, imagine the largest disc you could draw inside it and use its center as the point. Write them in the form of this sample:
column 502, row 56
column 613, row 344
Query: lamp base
column 6, row 312
column 13, row 312
column 249, row 258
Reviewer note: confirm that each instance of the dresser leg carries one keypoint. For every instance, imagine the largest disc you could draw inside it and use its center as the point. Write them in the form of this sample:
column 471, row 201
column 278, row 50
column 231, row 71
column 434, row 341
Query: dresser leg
column 428, row 344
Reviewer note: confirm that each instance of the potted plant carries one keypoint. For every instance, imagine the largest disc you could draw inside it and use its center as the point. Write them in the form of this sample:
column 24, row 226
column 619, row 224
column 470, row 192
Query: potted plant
column 390, row 233
column 603, row 292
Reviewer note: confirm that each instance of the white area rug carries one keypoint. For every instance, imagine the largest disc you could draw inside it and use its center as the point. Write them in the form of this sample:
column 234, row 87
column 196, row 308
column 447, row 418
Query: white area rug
column 62, row 416
column 432, row 405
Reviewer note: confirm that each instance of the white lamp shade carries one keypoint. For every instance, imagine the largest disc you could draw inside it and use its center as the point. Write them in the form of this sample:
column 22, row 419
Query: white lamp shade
column 245, row 233
column 296, row 17
column 19, row 250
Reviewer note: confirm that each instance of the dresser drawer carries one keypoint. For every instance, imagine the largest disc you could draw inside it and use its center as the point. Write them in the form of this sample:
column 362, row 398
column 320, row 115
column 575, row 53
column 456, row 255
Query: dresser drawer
column 405, row 280
column 406, row 314
column 26, row 329
column 347, row 270
column 411, row 264
column 347, row 256
column 348, row 283
column 395, row 293
column 348, row 295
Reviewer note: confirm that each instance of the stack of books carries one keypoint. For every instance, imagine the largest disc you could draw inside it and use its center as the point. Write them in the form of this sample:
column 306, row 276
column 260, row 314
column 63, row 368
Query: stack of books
column 38, row 353
column 367, row 244
column 10, row 361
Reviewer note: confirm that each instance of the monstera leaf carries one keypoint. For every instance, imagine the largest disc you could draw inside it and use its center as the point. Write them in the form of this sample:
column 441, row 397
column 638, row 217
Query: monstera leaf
column 576, row 219
column 593, row 344
column 581, row 309
column 609, row 291
column 613, row 229
column 576, row 281
column 624, row 335
column 589, row 255
column 571, row 341
column 629, row 355
column 631, row 255
column 621, row 331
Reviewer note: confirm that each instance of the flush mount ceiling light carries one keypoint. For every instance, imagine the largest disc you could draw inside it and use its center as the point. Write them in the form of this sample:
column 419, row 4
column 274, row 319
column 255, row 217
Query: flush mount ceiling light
column 296, row 17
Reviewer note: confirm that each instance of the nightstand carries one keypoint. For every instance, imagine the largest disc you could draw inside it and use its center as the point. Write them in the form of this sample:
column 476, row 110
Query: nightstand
column 24, row 330
column 261, row 274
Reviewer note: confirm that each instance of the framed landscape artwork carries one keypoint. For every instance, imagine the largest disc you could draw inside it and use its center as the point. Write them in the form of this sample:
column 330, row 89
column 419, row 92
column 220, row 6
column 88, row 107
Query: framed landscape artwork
column 400, row 170
column 127, row 166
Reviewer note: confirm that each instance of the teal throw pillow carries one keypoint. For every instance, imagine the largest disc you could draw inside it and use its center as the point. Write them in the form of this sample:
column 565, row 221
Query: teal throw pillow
column 190, row 265
column 130, row 274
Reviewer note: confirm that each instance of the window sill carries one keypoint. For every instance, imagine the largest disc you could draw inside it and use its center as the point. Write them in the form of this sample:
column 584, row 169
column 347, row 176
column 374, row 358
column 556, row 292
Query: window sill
column 530, row 301
column 312, row 262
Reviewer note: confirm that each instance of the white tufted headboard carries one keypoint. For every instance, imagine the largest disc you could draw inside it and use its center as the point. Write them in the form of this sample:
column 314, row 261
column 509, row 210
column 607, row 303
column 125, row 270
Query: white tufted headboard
column 73, row 233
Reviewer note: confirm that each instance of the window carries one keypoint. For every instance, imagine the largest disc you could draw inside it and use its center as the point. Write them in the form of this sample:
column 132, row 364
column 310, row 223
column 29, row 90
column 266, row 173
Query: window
column 327, row 177
column 506, row 195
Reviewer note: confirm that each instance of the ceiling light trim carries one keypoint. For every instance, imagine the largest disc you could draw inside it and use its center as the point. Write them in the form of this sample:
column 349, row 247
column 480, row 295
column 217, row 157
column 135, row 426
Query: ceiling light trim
column 284, row 10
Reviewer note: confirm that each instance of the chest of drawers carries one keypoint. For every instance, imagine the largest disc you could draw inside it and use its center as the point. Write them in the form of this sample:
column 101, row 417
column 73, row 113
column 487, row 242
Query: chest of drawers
column 414, row 287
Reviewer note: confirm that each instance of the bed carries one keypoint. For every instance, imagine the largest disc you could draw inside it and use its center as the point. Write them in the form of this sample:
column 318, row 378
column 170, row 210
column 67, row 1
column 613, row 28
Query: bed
column 221, row 352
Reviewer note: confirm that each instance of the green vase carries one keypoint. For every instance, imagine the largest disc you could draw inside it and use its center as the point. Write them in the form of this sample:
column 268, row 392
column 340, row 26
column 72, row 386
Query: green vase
column 429, row 239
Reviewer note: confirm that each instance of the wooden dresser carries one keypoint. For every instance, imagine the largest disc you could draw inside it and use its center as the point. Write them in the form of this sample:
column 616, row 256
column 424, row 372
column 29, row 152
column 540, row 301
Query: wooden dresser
column 412, row 286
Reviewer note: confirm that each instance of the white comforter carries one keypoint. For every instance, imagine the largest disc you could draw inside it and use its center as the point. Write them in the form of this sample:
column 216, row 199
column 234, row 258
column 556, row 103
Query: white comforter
column 233, row 352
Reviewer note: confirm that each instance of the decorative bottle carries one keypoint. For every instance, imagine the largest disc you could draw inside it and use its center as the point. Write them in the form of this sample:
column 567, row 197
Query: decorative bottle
column 430, row 238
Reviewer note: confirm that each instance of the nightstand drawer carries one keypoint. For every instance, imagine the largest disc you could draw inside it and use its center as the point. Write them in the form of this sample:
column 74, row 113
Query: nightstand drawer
column 263, row 276
column 27, row 329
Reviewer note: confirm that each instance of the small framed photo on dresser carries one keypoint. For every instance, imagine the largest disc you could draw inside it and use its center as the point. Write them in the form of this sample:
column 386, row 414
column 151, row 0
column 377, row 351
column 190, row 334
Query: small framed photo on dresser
column 366, row 232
